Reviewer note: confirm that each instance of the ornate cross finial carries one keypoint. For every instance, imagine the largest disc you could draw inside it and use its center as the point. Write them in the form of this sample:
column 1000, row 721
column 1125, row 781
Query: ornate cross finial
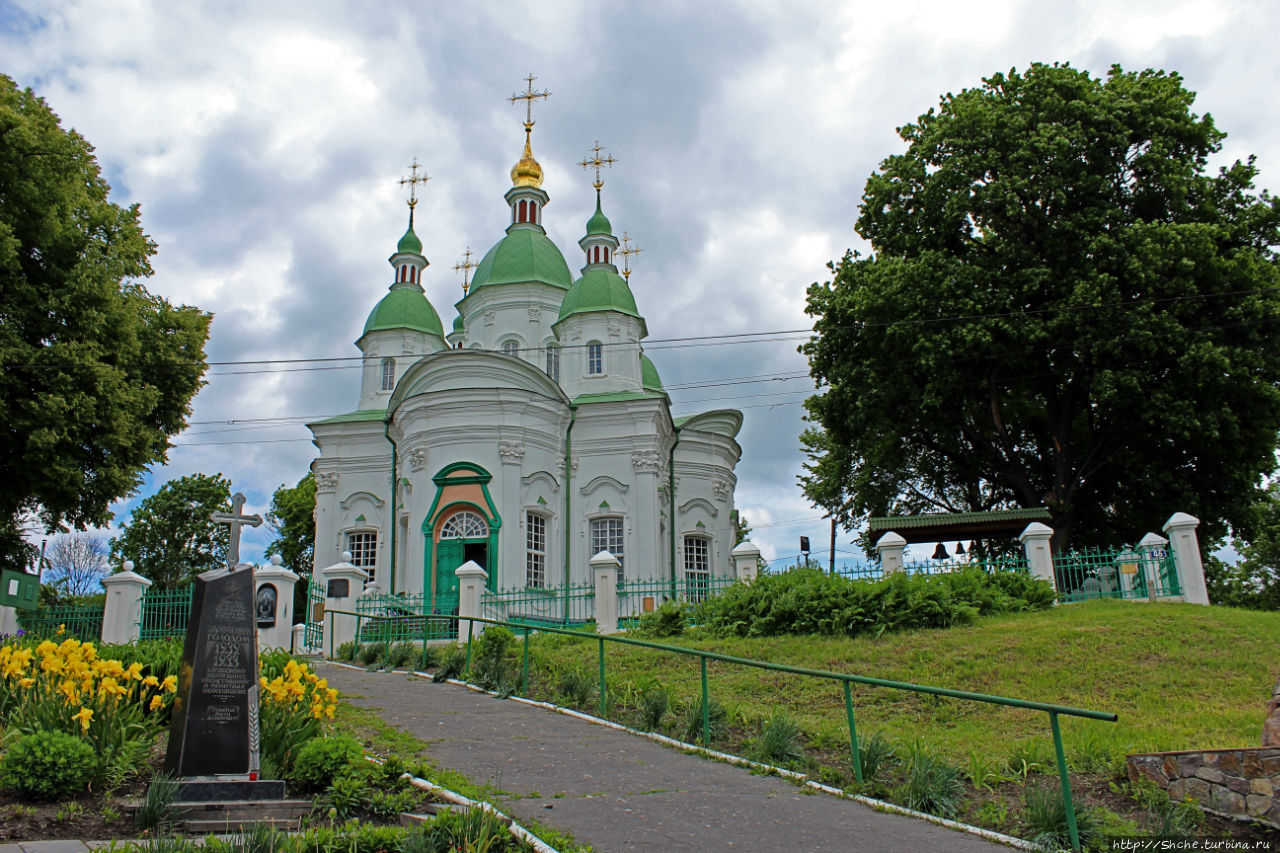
column 413, row 180
column 528, row 96
column 627, row 251
column 595, row 161
column 236, row 520
column 466, row 267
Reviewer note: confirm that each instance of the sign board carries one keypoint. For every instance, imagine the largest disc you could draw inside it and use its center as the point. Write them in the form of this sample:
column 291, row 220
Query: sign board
column 19, row 590
column 804, row 544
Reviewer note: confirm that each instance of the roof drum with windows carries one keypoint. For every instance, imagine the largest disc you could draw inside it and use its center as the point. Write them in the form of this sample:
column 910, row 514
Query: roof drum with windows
column 537, row 433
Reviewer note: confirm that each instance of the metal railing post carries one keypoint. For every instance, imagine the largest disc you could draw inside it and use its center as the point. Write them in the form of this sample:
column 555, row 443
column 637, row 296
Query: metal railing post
column 603, row 686
column 470, row 634
column 853, row 732
column 706, row 704
column 1065, row 781
column 524, row 669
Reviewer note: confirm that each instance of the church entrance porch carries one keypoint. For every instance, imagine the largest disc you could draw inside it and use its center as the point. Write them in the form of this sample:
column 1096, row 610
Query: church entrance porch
column 462, row 525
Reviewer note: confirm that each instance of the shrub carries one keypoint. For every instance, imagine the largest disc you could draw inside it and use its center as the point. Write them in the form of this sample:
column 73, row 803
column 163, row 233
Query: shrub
column 490, row 663
column 717, row 719
column 156, row 811
column 933, row 786
column 576, row 687
column 878, row 755
column 654, row 703
column 451, row 664
column 293, row 704
column 48, row 765
column 1045, row 820
column 427, row 658
column 370, row 654
column 669, row 620
column 401, row 654
column 346, row 651
column 779, row 741
column 321, row 760
column 348, row 796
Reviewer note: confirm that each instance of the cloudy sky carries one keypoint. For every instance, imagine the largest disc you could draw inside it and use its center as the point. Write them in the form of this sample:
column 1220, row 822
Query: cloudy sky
column 264, row 142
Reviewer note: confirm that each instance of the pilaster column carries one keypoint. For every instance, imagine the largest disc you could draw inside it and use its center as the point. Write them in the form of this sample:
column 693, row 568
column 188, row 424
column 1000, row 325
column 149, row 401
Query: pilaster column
column 890, row 547
column 604, row 570
column 1035, row 544
column 122, row 614
column 1181, row 530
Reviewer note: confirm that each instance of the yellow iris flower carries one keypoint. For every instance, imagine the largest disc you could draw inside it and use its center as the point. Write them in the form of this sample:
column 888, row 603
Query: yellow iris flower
column 85, row 715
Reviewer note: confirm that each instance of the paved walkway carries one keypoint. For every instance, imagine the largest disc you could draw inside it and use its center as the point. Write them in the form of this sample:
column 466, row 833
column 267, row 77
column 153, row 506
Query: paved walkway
column 626, row 794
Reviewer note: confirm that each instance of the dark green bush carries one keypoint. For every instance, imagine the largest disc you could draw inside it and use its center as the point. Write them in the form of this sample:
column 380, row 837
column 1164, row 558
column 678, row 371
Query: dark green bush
column 48, row 765
column 321, row 760
column 809, row 601
column 490, row 659
column 669, row 620
column 451, row 663
column 401, row 654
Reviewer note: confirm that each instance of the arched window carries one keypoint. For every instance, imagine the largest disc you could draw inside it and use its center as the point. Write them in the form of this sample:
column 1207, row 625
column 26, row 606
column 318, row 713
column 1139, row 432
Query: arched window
column 607, row 535
column 535, row 551
column 464, row 525
column 595, row 359
column 697, row 567
column 510, row 347
column 388, row 374
column 553, row 362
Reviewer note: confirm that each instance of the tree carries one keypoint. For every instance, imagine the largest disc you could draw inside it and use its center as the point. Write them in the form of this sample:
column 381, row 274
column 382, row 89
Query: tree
column 1062, row 309
column 95, row 372
column 77, row 563
column 293, row 518
column 170, row 537
column 1254, row 581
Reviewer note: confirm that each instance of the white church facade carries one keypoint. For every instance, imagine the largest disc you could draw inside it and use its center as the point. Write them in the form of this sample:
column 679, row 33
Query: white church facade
column 527, row 438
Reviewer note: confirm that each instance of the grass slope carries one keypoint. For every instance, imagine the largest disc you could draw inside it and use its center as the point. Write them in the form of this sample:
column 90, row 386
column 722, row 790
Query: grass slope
column 1179, row 676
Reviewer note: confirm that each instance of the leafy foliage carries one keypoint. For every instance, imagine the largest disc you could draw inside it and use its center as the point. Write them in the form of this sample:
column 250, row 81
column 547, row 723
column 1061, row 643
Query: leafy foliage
column 170, row 537
column 98, row 373
column 47, row 765
column 1254, row 581
column 1045, row 820
column 933, row 785
column 808, row 601
column 779, row 741
column 654, row 703
column 717, row 721
column 1062, row 309
column 322, row 760
column 669, row 620
column 492, row 659
column 292, row 517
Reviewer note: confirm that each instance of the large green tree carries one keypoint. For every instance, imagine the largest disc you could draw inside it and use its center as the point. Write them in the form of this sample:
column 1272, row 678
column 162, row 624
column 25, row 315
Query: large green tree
column 170, row 537
column 95, row 372
column 293, row 518
column 1063, row 307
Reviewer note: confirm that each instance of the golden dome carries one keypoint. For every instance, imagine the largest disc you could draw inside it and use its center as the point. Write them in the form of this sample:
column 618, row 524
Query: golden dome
column 527, row 172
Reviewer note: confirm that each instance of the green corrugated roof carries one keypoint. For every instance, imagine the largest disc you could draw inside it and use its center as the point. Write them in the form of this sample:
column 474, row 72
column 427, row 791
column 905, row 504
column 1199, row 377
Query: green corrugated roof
column 404, row 308
column 940, row 519
column 600, row 290
column 617, row 397
column 352, row 417
column 599, row 223
column 525, row 254
column 649, row 378
column 410, row 243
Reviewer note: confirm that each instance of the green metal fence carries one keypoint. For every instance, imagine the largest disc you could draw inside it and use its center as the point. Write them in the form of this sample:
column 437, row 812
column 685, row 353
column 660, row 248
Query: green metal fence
column 313, row 634
column 402, row 617
column 638, row 597
column 83, row 623
column 533, row 605
column 845, row 680
column 165, row 613
column 1130, row 573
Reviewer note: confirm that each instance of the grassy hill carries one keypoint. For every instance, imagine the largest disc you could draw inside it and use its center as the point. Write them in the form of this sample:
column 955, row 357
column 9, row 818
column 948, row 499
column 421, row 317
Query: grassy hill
column 1179, row 676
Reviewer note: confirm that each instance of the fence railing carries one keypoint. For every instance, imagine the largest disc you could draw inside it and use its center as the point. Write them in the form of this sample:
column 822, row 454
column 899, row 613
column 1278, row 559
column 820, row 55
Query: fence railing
column 1130, row 573
column 845, row 680
column 313, row 634
column 535, row 605
column 638, row 597
column 165, row 613
column 401, row 617
column 83, row 623
column 874, row 572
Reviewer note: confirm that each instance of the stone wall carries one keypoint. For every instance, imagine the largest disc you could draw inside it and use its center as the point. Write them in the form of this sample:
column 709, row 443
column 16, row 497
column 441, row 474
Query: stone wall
column 1242, row 783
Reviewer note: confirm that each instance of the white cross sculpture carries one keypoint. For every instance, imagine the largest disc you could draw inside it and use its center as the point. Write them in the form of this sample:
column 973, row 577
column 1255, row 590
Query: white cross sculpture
column 237, row 521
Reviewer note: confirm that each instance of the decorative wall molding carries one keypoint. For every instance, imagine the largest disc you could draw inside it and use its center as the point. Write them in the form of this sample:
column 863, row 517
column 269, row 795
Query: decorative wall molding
column 417, row 458
column 353, row 498
column 512, row 452
column 647, row 462
column 326, row 481
column 721, row 488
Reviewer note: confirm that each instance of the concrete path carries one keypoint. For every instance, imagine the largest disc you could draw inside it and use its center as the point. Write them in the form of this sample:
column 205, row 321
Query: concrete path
column 625, row 794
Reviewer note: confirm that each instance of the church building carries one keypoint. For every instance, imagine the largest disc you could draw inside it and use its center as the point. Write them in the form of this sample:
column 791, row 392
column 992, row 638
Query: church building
column 532, row 435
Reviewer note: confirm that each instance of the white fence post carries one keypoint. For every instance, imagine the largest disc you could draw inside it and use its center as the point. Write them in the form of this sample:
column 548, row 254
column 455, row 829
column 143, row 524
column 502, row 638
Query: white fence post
column 1181, row 529
column 471, row 581
column 1148, row 564
column 890, row 547
column 344, row 584
column 1035, row 543
column 604, row 569
column 274, row 617
column 122, row 613
column 746, row 561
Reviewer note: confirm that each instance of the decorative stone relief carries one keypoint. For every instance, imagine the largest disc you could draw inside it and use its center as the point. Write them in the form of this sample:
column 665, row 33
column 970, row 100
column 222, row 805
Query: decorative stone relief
column 615, row 330
column 417, row 458
column 721, row 489
column 575, row 334
column 647, row 462
column 535, row 315
column 573, row 462
column 326, row 481
column 512, row 452
column 490, row 317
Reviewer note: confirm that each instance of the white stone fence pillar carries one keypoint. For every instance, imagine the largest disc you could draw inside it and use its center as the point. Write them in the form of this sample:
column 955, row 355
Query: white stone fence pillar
column 344, row 584
column 890, row 547
column 604, row 570
column 1181, row 530
column 122, row 613
column 273, row 587
column 1035, row 544
column 471, row 581
column 1149, row 563
column 746, row 561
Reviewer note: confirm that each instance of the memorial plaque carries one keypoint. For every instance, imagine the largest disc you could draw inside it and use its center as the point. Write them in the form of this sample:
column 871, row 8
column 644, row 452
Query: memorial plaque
column 339, row 588
column 267, row 598
column 215, row 713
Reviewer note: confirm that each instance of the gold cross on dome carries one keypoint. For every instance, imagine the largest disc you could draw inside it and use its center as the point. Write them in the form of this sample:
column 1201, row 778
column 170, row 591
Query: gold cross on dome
column 465, row 266
column 595, row 161
column 627, row 250
column 528, row 96
column 413, row 180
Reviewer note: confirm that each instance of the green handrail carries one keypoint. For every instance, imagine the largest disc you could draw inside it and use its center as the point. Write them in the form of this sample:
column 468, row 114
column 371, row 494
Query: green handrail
column 846, row 679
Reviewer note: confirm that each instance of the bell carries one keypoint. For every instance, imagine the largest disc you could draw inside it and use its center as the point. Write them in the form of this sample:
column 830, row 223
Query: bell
column 940, row 553
column 959, row 548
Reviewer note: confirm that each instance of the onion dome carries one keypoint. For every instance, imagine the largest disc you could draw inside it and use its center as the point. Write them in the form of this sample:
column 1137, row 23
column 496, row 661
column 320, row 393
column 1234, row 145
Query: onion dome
column 525, row 254
column 404, row 308
column 600, row 289
column 649, row 379
column 409, row 243
column 527, row 172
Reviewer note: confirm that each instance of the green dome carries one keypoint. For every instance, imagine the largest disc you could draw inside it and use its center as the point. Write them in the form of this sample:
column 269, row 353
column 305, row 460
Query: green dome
column 409, row 243
column 457, row 323
column 404, row 308
column 599, row 290
column 599, row 223
column 649, row 379
column 525, row 254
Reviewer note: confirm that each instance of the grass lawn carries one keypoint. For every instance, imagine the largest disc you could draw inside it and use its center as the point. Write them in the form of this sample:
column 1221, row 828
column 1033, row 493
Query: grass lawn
column 1179, row 676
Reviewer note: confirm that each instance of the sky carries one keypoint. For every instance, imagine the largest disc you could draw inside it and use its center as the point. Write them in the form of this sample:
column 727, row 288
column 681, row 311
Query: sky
column 265, row 142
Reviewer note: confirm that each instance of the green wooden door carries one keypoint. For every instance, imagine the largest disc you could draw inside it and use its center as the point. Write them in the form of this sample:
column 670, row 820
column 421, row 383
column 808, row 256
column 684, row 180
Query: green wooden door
column 448, row 558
